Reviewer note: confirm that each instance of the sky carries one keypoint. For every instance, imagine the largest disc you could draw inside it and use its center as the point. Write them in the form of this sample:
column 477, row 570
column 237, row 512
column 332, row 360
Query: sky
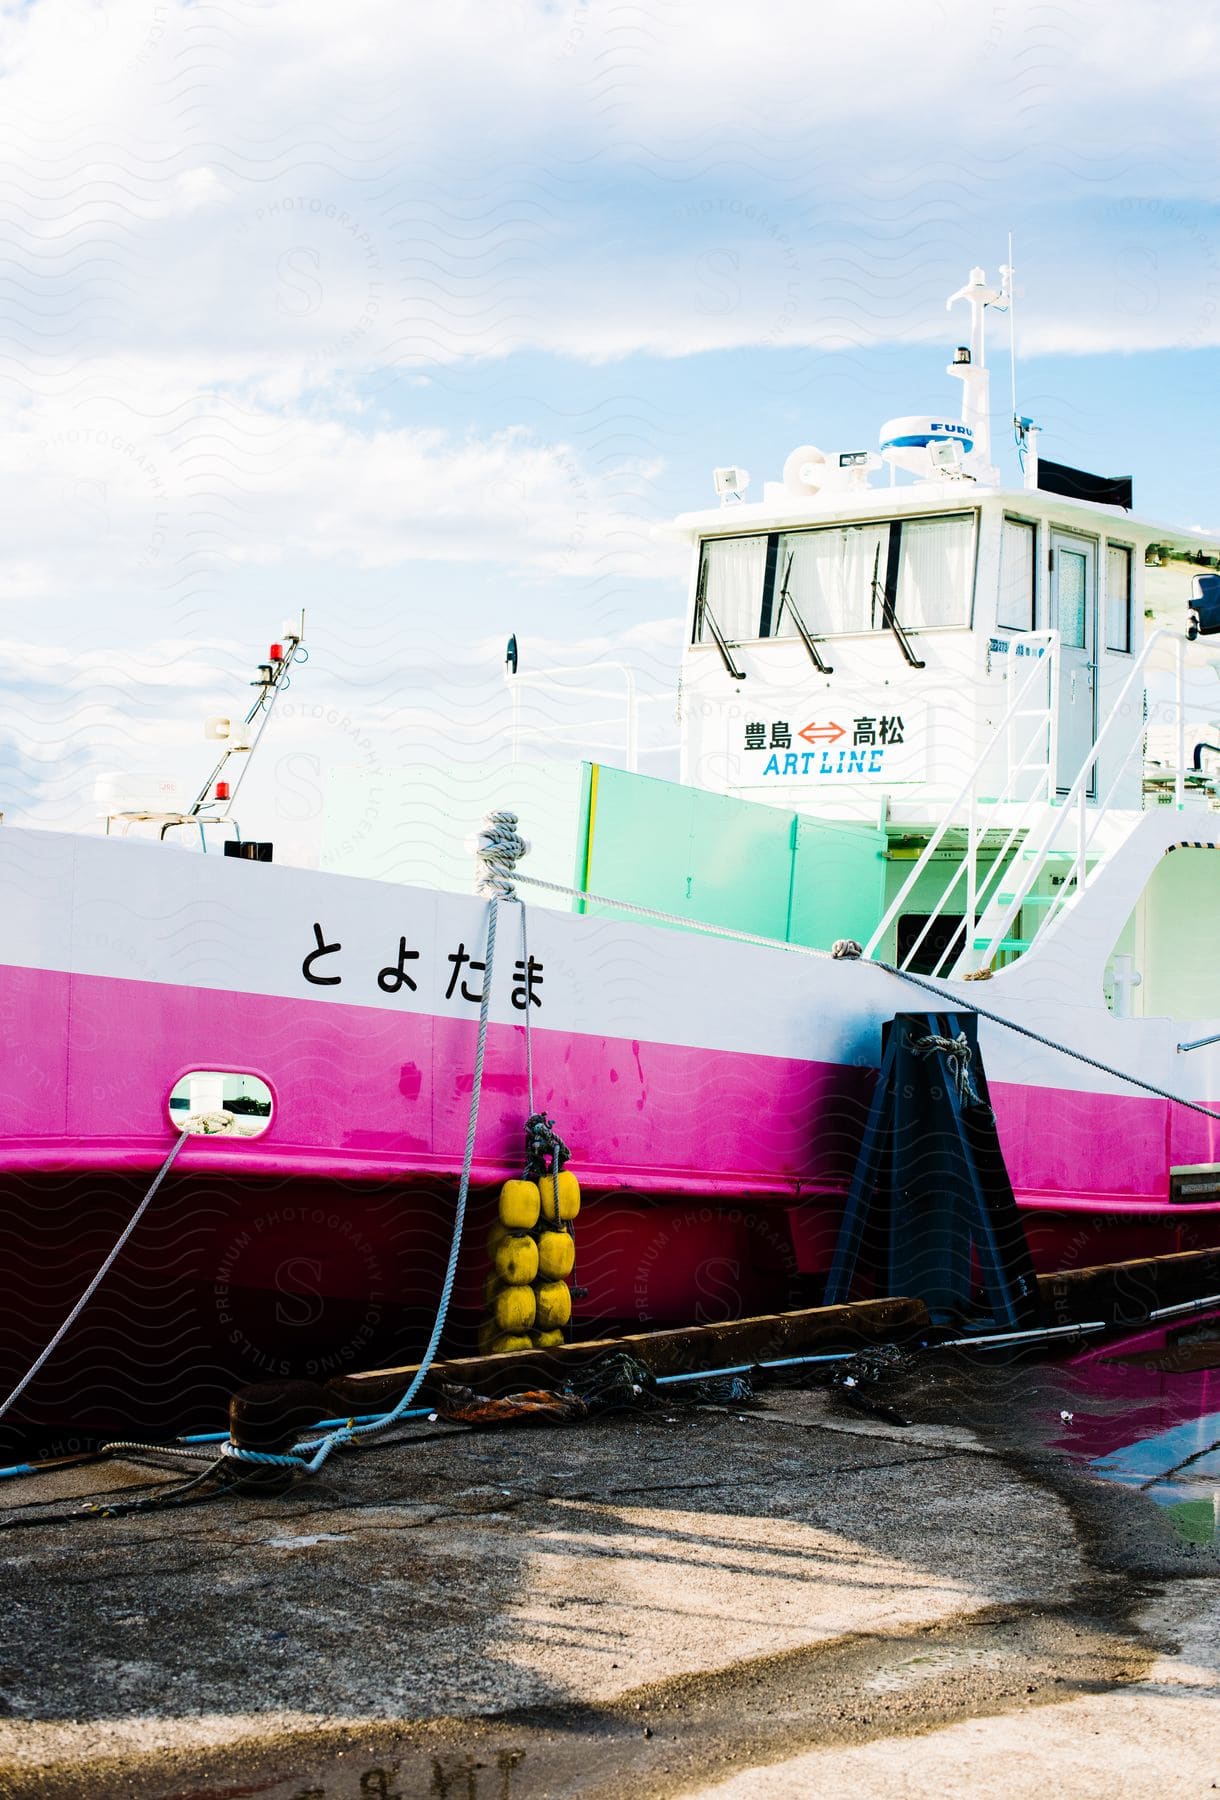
column 428, row 319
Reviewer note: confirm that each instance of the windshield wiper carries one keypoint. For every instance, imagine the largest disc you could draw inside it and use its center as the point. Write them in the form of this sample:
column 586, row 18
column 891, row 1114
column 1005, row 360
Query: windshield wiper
column 703, row 612
column 810, row 643
column 890, row 617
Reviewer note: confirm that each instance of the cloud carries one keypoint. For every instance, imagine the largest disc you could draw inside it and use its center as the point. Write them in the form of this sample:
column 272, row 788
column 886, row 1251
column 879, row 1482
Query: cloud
column 295, row 197
column 99, row 491
column 281, row 286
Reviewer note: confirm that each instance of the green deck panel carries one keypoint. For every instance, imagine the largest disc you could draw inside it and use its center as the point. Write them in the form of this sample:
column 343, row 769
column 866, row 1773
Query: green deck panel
column 839, row 882
column 706, row 857
column 717, row 860
column 589, row 773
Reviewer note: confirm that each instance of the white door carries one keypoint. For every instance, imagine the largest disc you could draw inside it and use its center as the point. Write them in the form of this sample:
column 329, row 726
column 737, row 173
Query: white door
column 1074, row 616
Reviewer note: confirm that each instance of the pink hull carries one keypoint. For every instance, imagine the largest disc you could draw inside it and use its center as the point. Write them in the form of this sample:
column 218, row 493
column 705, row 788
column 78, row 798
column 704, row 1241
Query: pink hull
column 713, row 1180
column 368, row 1094
column 361, row 1092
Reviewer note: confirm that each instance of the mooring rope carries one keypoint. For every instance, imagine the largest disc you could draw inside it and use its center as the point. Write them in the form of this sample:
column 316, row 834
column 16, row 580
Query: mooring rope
column 529, row 1002
column 499, row 848
column 1090, row 1062
column 93, row 1286
column 308, row 1456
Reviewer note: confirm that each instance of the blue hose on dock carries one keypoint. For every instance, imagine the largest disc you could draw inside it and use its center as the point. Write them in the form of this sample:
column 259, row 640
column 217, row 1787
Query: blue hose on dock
column 309, row 1455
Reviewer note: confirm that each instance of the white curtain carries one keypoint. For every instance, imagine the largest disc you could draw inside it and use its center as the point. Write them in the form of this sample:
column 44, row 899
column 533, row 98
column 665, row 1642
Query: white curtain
column 1016, row 608
column 934, row 570
column 831, row 578
column 733, row 585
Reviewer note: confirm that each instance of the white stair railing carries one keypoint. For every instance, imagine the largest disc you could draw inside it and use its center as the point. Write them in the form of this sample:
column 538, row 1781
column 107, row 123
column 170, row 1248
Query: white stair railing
column 978, row 826
column 1075, row 806
column 1043, row 668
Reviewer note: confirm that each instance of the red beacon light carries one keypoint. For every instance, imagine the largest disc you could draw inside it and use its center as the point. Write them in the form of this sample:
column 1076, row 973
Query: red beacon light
column 276, row 653
column 222, row 790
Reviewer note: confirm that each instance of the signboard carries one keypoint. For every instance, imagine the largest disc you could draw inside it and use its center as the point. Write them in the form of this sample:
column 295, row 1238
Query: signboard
column 836, row 741
column 998, row 646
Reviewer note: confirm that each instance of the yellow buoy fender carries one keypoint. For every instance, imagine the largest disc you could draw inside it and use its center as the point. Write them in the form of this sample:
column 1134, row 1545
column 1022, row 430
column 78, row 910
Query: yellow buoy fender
column 568, row 1195
column 511, row 1341
column 554, row 1305
column 556, row 1255
column 548, row 1340
column 517, row 1260
column 519, row 1205
column 515, row 1309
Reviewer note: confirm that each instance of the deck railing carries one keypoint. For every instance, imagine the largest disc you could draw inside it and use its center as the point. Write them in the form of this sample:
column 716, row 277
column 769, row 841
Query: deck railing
column 1043, row 669
column 1089, row 821
column 575, row 731
column 997, row 813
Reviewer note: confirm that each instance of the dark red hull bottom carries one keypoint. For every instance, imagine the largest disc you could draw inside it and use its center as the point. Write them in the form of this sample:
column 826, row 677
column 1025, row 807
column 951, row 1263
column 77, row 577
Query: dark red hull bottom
column 228, row 1281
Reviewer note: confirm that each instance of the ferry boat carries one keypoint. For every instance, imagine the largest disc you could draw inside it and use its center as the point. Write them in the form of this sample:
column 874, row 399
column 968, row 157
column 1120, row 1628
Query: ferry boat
column 963, row 726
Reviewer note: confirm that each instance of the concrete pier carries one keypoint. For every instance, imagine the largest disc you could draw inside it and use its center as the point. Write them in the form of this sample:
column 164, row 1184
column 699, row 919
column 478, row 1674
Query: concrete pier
column 780, row 1599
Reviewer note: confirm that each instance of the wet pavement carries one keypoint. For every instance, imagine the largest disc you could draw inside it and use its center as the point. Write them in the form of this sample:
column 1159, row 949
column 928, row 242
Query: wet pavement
column 786, row 1598
column 1147, row 1415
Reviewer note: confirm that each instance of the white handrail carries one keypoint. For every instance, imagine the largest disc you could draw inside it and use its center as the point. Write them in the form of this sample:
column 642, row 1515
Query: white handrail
column 514, row 680
column 1076, row 796
column 1179, row 696
column 1085, row 839
column 1043, row 668
column 974, row 838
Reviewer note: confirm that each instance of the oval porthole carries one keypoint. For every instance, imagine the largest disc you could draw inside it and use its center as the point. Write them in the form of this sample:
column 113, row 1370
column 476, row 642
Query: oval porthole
column 214, row 1103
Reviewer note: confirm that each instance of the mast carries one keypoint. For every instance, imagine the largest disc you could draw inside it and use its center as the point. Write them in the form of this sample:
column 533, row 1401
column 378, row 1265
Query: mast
column 970, row 363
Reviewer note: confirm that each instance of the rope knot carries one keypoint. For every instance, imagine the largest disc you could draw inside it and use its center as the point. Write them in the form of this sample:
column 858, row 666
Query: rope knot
column 545, row 1150
column 846, row 950
column 958, row 1055
column 499, row 848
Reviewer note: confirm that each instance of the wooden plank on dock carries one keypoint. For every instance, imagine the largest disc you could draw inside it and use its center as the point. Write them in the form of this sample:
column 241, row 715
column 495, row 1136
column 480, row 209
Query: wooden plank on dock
column 1124, row 1293
column 678, row 1352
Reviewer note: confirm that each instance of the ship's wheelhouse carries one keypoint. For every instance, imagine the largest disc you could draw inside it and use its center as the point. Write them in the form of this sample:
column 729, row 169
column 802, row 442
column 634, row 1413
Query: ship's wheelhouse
column 912, row 604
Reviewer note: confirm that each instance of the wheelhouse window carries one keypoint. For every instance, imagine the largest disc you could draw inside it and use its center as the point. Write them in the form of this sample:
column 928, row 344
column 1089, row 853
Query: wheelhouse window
column 1018, row 565
column 835, row 580
column 1118, row 597
column 935, row 563
column 732, row 576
